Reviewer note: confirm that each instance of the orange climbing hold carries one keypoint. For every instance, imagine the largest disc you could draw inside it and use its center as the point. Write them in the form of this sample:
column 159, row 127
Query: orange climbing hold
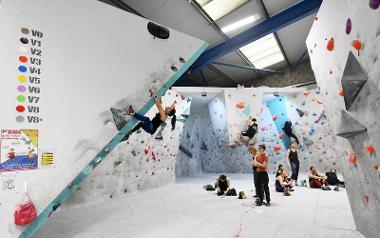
column 240, row 105
column 330, row 44
column 357, row 45
column 306, row 93
column 352, row 159
column 341, row 93
column 319, row 102
column 376, row 167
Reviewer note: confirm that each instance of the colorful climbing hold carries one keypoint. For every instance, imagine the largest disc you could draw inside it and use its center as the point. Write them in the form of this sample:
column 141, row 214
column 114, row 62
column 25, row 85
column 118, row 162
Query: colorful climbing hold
column 330, row 44
column 306, row 93
column 282, row 136
column 352, row 159
column 357, row 45
column 374, row 4
column 153, row 156
column 370, row 149
column 348, row 26
column 146, row 150
column 277, row 148
column 341, row 93
column 366, row 198
column 274, row 117
column 240, row 105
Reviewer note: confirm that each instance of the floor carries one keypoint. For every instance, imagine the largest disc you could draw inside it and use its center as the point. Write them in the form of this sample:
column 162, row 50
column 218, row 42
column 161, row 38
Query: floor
column 185, row 209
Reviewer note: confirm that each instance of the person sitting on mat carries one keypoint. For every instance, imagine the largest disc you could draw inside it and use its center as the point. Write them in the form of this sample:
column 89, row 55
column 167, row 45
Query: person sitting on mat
column 332, row 179
column 151, row 126
column 222, row 184
column 283, row 184
column 316, row 180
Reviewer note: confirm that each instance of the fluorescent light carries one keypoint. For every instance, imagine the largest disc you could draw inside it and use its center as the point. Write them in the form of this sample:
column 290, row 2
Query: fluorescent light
column 217, row 9
column 240, row 23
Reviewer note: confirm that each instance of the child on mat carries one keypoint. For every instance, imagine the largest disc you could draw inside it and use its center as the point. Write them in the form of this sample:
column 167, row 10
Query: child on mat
column 317, row 181
column 151, row 126
column 262, row 179
column 283, row 184
column 222, row 184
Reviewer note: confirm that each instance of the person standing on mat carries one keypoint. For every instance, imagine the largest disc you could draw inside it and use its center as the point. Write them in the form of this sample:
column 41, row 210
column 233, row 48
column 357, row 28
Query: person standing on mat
column 293, row 158
column 288, row 130
column 252, row 150
column 262, row 179
column 151, row 126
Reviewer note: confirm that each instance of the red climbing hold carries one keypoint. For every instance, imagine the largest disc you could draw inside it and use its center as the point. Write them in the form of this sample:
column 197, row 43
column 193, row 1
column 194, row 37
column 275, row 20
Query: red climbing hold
column 282, row 136
column 306, row 93
column 146, row 151
column 357, row 45
column 277, row 148
column 370, row 149
column 330, row 44
column 274, row 117
column 365, row 197
column 341, row 93
column 153, row 156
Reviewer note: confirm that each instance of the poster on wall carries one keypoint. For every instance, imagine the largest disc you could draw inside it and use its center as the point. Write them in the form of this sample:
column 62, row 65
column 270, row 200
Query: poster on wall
column 19, row 149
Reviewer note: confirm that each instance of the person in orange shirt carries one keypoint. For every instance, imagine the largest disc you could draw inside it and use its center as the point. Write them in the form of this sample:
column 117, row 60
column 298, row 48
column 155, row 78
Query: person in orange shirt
column 262, row 179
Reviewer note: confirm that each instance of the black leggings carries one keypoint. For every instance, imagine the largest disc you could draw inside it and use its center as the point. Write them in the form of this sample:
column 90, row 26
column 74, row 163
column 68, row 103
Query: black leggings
column 295, row 168
column 290, row 134
column 261, row 184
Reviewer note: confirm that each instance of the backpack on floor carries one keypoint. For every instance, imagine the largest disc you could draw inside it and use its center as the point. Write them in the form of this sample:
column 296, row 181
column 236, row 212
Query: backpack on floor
column 209, row 187
column 231, row 192
column 242, row 195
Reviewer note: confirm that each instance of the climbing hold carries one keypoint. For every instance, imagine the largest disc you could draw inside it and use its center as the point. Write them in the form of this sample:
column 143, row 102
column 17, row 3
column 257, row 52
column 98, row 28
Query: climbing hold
column 366, row 198
column 300, row 112
column 352, row 159
column 357, row 45
column 353, row 80
column 330, row 44
column 319, row 102
column 306, row 93
column 240, row 105
column 374, row 4
column 341, row 93
column 276, row 148
column 274, row 117
column 182, row 60
column 146, row 150
column 153, row 156
column 173, row 68
column 158, row 31
column 371, row 149
column 348, row 26
column 282, row 136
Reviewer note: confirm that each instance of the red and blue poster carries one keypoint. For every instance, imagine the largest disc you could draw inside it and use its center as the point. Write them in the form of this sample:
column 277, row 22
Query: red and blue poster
column 19, row 149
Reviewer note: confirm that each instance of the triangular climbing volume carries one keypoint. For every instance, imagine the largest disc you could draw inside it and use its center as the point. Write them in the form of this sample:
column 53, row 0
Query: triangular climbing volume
column 349, row 127
column 353, row 80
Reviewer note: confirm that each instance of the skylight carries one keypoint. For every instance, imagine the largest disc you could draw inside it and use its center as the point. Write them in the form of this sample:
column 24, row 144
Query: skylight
column 264, row 52
column 241, row 23
column 216, row 9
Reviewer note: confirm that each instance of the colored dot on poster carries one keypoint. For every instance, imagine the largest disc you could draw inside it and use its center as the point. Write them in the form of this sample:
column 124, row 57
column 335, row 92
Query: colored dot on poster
column 21, row 98
column 22, row 69
column 24, row 40
column 23, row 49
column 21, row 79
column 20, row 119
column 21, row 88
column 20, row 108
column 25, row 30
column 23, row 59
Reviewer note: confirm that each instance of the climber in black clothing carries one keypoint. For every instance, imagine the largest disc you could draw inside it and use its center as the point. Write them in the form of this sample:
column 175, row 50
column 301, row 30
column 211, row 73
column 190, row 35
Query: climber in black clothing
column 251, row 131
column 288, row 130
column 151, row 126
column 293, row 158
column 222, row 184
column 332, row 179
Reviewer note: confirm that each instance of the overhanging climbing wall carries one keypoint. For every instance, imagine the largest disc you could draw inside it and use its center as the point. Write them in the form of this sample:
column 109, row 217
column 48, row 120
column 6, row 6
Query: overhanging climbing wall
column 64, row 64
column 344, row 48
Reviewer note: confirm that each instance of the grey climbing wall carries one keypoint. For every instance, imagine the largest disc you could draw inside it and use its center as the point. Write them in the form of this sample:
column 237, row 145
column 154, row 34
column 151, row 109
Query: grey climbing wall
column 344, row 57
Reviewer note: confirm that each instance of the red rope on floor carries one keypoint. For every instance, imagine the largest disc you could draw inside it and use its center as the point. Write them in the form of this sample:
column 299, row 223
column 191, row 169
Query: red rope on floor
column 241, row 222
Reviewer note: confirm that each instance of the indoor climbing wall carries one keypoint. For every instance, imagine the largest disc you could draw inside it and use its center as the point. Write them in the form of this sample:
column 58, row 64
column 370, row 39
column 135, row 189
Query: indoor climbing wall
column 345, row 60
column 138, row 164
column 62, row 73
column 240, row 104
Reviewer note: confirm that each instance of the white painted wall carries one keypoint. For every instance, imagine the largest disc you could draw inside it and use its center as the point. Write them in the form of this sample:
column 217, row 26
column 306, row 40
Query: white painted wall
column 93, row 57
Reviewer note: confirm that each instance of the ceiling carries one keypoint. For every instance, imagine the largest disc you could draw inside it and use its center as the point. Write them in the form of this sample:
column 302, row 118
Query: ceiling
column 184, row 16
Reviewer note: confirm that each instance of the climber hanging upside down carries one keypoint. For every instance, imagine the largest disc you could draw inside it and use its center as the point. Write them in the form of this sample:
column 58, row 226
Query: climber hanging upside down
column 150, row 126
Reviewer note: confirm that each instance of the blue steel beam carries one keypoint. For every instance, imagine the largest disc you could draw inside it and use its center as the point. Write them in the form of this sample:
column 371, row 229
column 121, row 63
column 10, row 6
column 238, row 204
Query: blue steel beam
column 272, row 24
column 248, row 68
